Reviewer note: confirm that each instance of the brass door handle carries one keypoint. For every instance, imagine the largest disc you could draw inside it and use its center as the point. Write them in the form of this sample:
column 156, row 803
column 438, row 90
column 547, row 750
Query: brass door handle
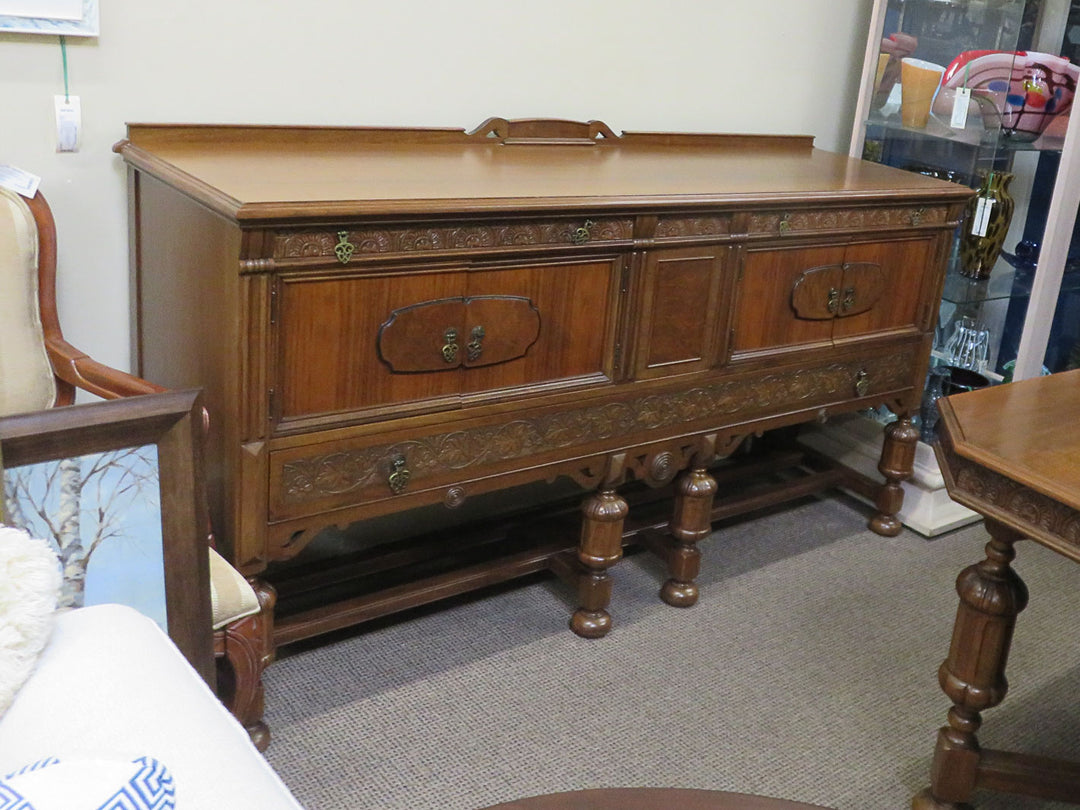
column 849, row 299
column 399, row 475
column 862, row 383
column 475, row 347
column 583, row 234
column 450, row 346
column 832, row 303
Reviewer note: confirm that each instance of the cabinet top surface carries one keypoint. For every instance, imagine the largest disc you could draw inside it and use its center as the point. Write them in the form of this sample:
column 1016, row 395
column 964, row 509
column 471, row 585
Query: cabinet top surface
column 253, row 172
column 1024, row 430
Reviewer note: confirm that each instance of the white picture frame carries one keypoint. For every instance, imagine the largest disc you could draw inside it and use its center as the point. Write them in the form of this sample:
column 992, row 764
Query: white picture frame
column 86, row 25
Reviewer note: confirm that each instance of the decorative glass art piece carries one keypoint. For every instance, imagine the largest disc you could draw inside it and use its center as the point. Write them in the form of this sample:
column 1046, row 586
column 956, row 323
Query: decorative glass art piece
column 986, row 222
column 1020, row 91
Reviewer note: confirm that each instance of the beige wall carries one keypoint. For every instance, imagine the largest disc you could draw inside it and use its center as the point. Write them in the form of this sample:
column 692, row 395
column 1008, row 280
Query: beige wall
column 694, row 65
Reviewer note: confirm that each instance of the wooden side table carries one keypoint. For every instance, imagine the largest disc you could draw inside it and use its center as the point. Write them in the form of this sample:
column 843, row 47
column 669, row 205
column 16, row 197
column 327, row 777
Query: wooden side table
column 1011, row 453
column 652, row 799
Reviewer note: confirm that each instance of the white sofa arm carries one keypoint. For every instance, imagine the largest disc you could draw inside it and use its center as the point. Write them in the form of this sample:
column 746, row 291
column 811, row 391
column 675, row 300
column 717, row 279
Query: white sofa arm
column 110, row 683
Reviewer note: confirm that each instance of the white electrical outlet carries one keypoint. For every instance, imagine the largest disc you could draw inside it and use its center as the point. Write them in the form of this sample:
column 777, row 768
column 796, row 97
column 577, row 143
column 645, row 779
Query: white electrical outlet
column 68, row 123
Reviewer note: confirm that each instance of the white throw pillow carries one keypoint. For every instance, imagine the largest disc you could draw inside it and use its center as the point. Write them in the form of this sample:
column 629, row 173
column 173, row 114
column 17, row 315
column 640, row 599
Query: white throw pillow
column 29, row 588
column 139, row 783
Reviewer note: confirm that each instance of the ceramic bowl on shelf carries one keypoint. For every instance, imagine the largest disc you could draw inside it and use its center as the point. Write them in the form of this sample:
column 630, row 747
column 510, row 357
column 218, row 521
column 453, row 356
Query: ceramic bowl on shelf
column 1020, row 91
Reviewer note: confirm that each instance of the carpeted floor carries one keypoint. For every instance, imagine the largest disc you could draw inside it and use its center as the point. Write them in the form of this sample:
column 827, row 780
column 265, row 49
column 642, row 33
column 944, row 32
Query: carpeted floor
column 807, row 671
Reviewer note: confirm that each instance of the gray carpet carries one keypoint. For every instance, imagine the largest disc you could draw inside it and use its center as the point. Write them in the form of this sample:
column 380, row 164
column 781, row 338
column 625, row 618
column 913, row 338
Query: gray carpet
column 807, row 671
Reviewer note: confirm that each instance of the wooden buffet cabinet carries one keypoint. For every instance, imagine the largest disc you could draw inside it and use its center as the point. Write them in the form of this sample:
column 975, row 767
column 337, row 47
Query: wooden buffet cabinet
column 384, row 319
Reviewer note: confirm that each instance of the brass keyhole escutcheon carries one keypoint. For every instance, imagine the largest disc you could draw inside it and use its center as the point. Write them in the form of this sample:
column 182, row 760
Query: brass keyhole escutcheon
column 399, row 475
column 450, row 346
column 475, row 347
column 849, row 299
column 785, row 224
column 862, row 383
column 916, row 217
column 344, row 248
column 832, row 303
column 583, row 234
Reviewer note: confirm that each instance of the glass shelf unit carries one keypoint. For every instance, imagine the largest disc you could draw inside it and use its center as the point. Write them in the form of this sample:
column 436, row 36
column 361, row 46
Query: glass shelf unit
column 1030, row 304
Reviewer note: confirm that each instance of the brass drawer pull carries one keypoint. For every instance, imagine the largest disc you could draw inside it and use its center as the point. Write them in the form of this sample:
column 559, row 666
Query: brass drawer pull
column 475, row 347
column 344, row 248
column 399, row 475
column 832, row 303
column 849, row 299
column 862, row 383
column 583, row 234
column 785, row 224
column 916, row 217
column 450, row 347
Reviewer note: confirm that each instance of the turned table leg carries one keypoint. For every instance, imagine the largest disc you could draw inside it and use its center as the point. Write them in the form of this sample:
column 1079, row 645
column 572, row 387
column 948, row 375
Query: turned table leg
column 896, row 464
column 973, row 674
column 690, row 522
column 599, row 548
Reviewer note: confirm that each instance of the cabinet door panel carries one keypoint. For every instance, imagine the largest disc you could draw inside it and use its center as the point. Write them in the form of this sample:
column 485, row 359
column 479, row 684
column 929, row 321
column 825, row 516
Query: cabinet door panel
column 890, row 276
column 816, row 294
column 575, row 304
column 765, row 316
column 327, row 335
column 498, row 329
column 683, row 304
column 409, row 340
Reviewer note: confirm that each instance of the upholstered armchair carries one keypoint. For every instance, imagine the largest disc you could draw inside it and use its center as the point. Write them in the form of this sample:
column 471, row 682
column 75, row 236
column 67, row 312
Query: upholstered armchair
column 39, row 369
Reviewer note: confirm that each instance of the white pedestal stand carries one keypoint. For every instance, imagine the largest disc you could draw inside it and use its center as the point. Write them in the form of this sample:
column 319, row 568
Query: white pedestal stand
column 855, row 441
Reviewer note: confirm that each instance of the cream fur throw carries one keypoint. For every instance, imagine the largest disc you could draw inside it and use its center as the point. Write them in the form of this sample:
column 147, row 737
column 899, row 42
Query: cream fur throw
column 29, row 588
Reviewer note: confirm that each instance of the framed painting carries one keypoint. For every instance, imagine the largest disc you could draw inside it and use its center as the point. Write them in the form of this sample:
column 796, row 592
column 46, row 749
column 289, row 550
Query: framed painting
column 77, row 18
column 117, row 489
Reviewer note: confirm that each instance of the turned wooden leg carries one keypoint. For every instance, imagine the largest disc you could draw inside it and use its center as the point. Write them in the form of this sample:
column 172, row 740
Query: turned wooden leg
column 896, row 464
column 243, row 650
column 691, row 521
column 973, row 674
column 599, row 548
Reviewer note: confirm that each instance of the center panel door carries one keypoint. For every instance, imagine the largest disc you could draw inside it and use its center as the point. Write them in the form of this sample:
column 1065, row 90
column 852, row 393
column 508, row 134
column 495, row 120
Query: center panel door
column 684, row 305
column 575, row 309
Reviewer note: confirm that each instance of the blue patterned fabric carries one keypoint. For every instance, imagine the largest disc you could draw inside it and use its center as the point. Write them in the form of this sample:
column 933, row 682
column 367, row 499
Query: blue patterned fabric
column 141, row 783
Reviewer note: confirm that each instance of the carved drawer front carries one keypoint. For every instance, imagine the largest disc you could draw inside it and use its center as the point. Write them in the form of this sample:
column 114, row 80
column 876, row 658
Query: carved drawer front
column 441, row 459
column 862, row 219
column 814, row 296
column 684, row 305
column 348, row 244
column 684, row 227
column 387, row 342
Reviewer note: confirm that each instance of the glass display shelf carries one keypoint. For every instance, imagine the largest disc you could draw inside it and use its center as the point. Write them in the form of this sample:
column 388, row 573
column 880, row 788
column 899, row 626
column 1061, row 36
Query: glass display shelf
column 879, row 127
column 1005, row 281
column 1025, row 318
column 964, row 290
column 1022, row 289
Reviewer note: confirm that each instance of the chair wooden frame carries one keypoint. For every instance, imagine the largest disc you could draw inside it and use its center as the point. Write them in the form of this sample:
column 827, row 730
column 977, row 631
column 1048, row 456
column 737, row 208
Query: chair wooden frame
column 243, row 648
